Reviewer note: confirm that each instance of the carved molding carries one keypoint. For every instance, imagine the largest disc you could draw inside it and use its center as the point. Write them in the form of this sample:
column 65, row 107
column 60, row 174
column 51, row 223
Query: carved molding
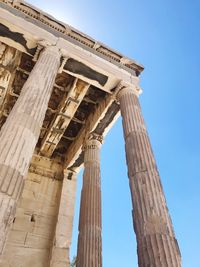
column 74, row 34
column 124, row 88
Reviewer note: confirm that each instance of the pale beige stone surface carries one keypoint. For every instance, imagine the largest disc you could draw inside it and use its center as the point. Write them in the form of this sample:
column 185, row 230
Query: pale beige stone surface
column 31, row 237
column 64, row 224
column 20, row 133
column 60, row 257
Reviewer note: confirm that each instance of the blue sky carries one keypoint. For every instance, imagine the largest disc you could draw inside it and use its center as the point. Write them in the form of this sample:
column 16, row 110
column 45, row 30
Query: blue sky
column 164, row 36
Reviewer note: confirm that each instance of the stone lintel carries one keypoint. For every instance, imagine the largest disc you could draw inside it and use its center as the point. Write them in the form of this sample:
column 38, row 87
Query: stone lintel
column 46, row 167
column 65, row 115
column 91, row 124
column 59, row 28
column 32, row 33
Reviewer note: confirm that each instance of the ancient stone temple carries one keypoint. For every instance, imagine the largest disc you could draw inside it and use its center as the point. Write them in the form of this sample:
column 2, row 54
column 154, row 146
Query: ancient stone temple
column 60, row 93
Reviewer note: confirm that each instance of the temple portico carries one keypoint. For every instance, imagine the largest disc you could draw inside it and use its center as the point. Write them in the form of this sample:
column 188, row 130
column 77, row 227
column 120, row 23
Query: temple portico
column 60, row 93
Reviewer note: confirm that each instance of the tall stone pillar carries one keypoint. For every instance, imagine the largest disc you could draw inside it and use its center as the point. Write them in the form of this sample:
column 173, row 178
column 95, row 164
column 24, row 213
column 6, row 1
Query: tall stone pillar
column 156, row 243
column 89, row 241
column 20, row 133
column 63, row 233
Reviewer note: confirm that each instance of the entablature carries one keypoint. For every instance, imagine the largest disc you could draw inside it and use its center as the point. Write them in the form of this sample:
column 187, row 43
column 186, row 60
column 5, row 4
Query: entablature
column 58, row 28
column 83, row 99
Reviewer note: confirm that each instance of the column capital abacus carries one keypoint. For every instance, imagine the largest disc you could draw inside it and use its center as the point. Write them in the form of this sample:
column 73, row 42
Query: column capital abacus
column 44, row 43
column 124, row 88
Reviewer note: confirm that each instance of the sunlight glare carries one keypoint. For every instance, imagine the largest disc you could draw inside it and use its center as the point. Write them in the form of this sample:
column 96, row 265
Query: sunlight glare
column 59, row 11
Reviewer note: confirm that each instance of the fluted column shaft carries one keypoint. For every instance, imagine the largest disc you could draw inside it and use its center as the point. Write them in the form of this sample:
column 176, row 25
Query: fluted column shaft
column 20, row 133
column 156, row 243
column 89, row 240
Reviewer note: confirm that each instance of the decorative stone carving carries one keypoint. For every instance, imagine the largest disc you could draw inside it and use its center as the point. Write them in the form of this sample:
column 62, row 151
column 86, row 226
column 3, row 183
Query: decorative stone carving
column 7, row 55
column 4, row 82
column 124, row 88
column 92, row 136
column 2, row 50
column 37, row 53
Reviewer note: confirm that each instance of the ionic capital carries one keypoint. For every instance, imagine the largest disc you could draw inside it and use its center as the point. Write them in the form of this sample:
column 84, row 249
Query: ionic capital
column 124, row 88
column 48, row 47
column 63, row 62
column 93, row 141
column 65, row 57
column 64, row 53
column 91, row 149
column 37, row 52
column 44, row 43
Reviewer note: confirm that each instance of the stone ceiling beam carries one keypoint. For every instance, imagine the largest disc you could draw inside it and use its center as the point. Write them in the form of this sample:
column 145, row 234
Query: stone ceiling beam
column 9, row 59
column 64, row 116
column 91, row 123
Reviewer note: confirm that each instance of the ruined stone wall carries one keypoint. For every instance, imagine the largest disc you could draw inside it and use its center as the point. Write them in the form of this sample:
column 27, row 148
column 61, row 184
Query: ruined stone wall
column 31, row 238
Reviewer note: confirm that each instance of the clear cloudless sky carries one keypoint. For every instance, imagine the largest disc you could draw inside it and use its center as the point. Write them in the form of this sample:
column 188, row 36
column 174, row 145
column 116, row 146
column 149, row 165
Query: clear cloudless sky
column 163, row 35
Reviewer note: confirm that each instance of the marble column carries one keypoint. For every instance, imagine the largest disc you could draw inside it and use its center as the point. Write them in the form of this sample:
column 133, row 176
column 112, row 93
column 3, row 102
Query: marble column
column 63, row 233
column 89, row 241
column 20, row 133
column 156, row 242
